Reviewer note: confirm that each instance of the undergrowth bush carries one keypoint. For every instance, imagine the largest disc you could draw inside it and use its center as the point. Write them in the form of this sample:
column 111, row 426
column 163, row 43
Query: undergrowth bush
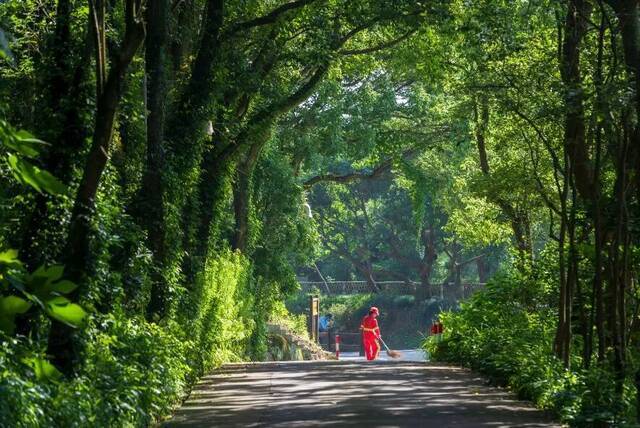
column 506, row 332
column 223, row 321
column 295, row 322
column 134, row 372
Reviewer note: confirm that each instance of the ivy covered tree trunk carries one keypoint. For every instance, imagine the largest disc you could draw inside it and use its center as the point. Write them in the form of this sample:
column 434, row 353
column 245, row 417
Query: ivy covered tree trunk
column 62, row 126
column 242, row 196
column 186, row 123
column 78, row 255
column 151, row 204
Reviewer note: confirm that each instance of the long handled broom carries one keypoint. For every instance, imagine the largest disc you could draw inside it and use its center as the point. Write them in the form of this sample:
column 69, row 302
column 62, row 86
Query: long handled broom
column 390, row 352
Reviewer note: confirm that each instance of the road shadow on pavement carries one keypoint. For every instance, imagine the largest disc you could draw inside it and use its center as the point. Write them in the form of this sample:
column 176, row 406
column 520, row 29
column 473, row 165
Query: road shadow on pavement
column 352, row 393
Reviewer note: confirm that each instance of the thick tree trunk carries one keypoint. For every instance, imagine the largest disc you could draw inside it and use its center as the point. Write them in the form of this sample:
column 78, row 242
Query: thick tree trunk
column 63, row 127
column 107, row 104
column 186, row 127
column 574, row 130
column 578, row 169
column 60, row 346
column 151, row 206
column 39, row 234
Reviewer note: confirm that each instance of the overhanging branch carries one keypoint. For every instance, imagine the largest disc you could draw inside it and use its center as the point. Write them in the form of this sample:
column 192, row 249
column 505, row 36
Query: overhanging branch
column 379, row 47
column 267, row 19
column 378, row 171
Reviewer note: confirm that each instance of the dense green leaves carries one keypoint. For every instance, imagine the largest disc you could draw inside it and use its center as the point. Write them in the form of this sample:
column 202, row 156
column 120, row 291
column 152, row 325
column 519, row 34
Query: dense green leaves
column 21, row 145
column 63, row 310
column 44, row 288
column 10, row 306
column 42, row 369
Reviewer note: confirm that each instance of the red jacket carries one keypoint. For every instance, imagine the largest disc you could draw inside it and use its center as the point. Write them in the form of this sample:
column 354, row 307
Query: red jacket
column 369, row 325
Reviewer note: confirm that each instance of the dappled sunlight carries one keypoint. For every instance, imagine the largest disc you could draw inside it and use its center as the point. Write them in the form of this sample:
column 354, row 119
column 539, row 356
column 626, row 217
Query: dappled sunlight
column 351, row 393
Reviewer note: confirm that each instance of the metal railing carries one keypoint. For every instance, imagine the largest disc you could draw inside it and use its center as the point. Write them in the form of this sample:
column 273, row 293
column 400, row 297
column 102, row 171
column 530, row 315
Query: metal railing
column 444, row 291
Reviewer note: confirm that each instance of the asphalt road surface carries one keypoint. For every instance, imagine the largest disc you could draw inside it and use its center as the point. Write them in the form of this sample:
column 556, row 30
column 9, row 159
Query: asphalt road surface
column 351, row 393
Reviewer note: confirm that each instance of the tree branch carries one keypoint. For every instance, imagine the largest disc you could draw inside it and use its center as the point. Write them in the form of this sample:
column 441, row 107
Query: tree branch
column 378, row 171
column 272, row 111
column 267, row 19
column 379, row 47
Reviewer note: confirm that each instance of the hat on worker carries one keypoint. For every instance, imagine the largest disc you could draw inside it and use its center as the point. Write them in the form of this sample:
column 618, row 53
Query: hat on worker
column 374, row 310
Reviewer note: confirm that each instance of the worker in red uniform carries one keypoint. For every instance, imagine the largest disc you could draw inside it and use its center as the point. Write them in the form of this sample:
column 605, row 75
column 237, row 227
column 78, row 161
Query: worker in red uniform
column 371, row 334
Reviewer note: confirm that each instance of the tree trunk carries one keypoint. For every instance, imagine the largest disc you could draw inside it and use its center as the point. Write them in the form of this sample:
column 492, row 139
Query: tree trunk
column 627, row 171
column 39, row 235
column 77, row 257
column 578, row 169
column 242, row 196
column 107, row 104
column 62, row 126
column 520, row 223
column 368, row 272
column 429, row 258
column 186, row 125
column 151, row 210
column 482, row 269
column 574, row 130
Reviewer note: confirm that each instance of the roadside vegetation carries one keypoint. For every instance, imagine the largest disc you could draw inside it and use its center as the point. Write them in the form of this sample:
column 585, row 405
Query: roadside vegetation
column 507, row 331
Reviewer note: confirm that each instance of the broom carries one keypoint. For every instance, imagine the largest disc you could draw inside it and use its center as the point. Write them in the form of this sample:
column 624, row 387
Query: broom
column 390, row 352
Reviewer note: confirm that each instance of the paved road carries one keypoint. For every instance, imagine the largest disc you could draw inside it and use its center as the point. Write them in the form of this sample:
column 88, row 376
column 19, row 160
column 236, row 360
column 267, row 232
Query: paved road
column 351, row 393
column 405, row 355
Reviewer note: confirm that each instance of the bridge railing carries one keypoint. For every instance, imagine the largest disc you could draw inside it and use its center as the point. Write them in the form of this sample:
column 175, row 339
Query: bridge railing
column 450, row 291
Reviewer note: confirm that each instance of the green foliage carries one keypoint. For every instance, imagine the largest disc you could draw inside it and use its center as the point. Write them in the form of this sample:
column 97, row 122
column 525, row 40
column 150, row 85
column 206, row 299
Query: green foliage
column 18, row 146
column 296, row 323
column 391, row 90
column 10, row 307
column 44, row 288
column 135, row 372
column 223, row 321
column 506, row 332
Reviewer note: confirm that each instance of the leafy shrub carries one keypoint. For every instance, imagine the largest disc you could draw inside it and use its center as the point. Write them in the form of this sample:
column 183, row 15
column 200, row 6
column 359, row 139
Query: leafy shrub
column 296, row 323
column 223, row 321
column 135, row 371
column 506, row 332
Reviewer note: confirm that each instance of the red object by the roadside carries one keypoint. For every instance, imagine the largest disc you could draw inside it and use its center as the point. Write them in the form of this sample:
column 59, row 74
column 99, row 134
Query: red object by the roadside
column 370, row 335
column 437, row 328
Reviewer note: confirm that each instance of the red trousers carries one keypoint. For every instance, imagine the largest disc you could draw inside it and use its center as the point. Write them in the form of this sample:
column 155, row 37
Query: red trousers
column 371, row 345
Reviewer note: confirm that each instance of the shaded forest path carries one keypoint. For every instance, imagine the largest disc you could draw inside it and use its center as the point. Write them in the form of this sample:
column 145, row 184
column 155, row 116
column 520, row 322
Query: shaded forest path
column 339, row 393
